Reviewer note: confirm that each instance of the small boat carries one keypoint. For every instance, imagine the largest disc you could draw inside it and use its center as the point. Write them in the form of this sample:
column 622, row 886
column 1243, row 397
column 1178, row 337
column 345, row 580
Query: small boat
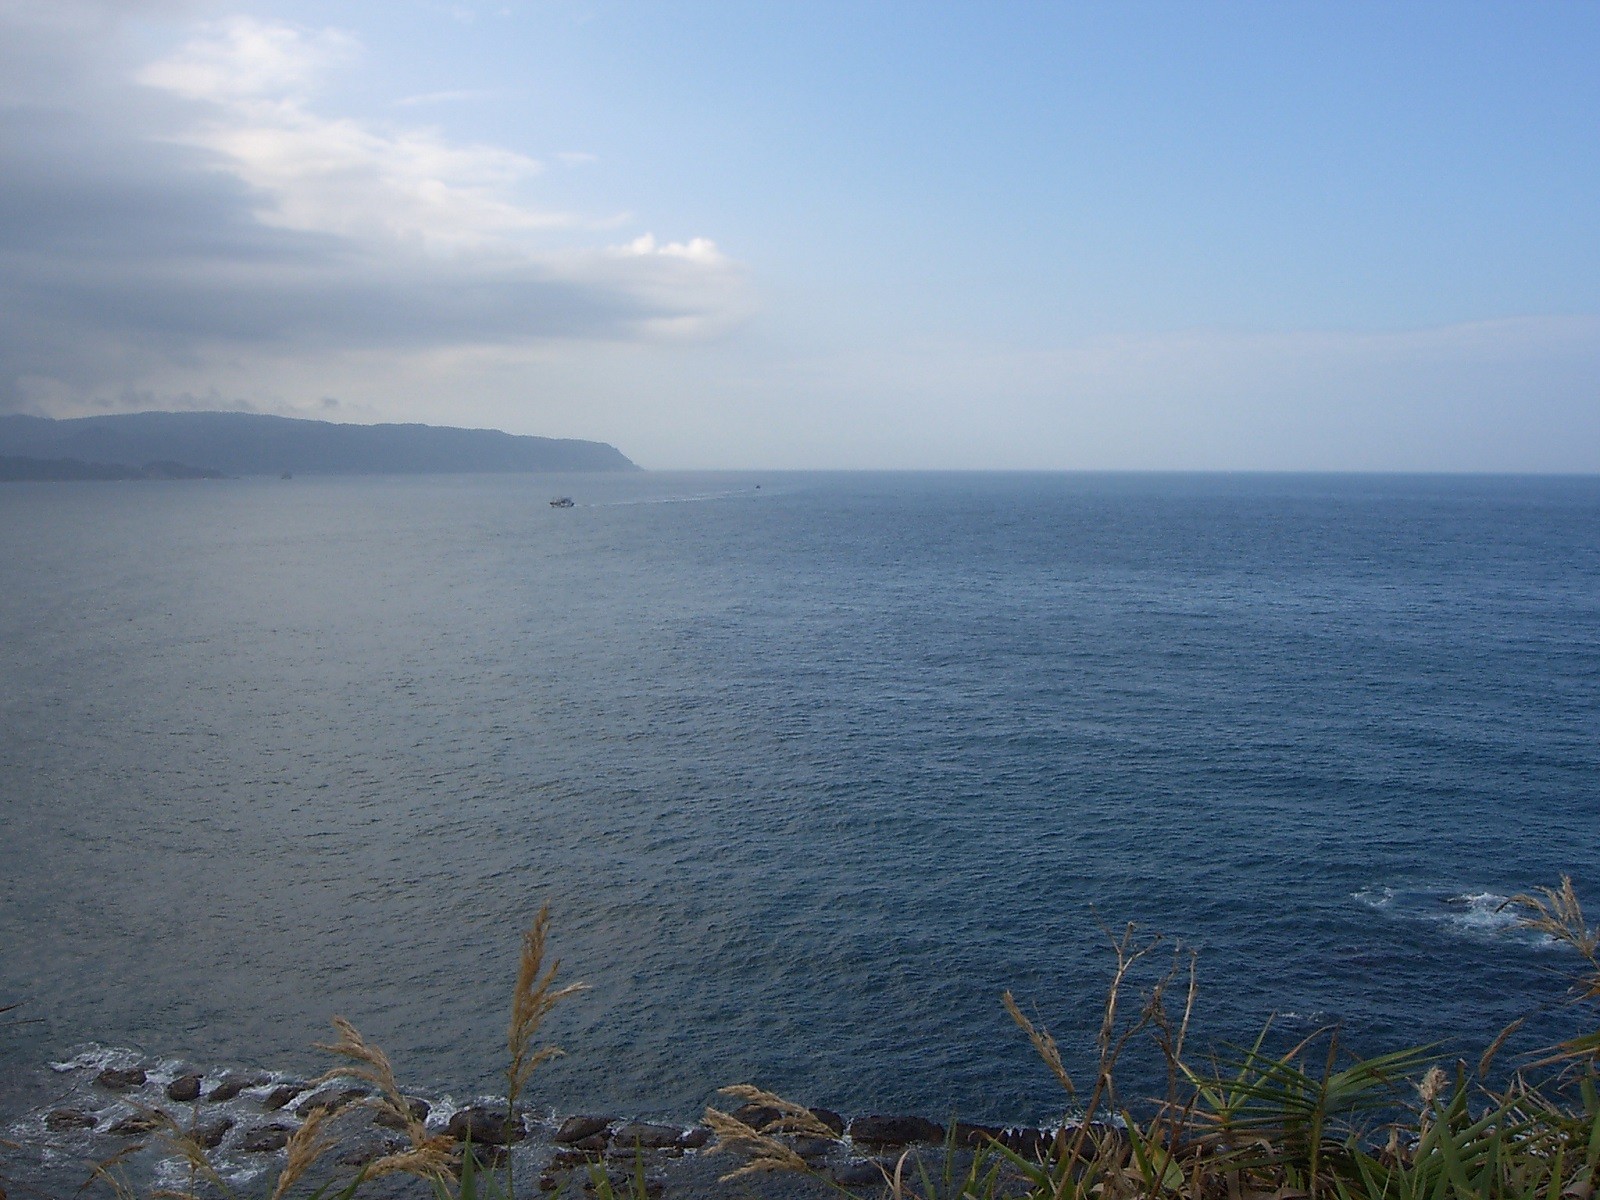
column 561, row 502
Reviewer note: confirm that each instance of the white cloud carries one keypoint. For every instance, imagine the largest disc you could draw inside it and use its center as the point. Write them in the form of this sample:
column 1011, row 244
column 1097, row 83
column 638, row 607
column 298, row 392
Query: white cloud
column 243, row 58
column 215, row 224
column 702, row 250
column 322, row 174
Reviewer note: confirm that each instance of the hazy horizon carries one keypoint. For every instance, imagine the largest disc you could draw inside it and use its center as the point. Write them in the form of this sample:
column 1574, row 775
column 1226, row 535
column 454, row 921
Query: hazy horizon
column 758, row 468
column 1149, row 237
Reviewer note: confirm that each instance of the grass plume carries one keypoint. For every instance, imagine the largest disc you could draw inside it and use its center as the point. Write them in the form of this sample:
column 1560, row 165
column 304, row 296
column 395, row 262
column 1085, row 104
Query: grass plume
column 762, row 1149
column 305, row 1147
column 1313, row 1122
column 1310, row 1122
column 532, row 1000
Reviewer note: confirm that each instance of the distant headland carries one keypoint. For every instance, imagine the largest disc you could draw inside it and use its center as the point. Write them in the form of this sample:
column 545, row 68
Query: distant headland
column 209, row 444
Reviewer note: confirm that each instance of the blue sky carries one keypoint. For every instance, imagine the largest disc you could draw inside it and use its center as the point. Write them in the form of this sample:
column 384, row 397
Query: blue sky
column 1289, row 236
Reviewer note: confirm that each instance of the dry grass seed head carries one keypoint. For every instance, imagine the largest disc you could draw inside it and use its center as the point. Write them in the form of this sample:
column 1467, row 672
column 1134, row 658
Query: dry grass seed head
column 305, row 1146
column 1486, row 1059
column 1432, row 1085
column 367, row 1063
column 763, row 1152
column 431, row 1161
column 1043, row 1044
column 182, row 1143
column 535, row 995
column 792, row 1118
column 1556, row 913
column 189, row 1148
column 371, row 1066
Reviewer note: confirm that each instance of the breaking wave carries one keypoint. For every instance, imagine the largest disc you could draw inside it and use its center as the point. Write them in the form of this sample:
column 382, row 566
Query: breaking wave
column 1482, row 915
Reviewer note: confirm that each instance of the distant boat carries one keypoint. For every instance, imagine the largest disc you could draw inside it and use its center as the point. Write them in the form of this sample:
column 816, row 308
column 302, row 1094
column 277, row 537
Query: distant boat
column 286, row 475
column 561, row 502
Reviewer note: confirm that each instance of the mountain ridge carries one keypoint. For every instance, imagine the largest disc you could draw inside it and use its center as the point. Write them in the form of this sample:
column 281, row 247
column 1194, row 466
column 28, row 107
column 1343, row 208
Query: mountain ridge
column 262, row 444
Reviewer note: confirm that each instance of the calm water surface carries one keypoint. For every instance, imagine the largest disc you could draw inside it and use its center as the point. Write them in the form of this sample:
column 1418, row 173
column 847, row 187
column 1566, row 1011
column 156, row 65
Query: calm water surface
column 808, row 772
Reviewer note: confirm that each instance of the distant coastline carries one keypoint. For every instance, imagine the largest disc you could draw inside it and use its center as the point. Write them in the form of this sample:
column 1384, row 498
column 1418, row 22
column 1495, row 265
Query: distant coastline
column 208, row 445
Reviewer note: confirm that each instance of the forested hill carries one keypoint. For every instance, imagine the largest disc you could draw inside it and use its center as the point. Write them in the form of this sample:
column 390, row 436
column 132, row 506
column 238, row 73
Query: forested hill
column 254, row 444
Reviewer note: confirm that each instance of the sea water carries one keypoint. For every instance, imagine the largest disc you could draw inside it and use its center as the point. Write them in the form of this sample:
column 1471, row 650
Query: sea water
column 809, row 768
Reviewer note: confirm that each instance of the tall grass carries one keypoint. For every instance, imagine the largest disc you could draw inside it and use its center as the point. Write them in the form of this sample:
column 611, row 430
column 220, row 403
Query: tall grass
column 449, row 1169
column 1312, row 1122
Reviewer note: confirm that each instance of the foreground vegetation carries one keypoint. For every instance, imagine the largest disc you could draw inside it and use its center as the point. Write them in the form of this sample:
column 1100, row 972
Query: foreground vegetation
column 1312, row 1122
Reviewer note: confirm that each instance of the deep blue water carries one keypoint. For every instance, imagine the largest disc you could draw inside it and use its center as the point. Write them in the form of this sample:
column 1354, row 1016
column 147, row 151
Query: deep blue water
column 809, row 773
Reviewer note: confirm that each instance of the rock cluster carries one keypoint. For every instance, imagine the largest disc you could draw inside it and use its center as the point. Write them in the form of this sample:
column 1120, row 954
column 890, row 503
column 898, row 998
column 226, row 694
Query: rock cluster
column 281, row 1095
column 858, row 1153
column 115, row 1080
column 229, row 1086
column 184, row 1089
column 485, row 1127
column 419, row 1112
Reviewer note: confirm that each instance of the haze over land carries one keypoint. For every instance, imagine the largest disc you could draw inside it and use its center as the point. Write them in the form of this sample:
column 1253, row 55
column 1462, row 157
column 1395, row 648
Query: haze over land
column 1070, row 236
column 258, row 443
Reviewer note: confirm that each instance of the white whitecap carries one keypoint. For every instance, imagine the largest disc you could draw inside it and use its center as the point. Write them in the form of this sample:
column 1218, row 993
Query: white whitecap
column 1472, row 913
column 98, row 1057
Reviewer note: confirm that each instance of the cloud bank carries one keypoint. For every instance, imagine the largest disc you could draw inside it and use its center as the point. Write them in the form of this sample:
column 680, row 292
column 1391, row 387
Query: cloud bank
column 198, row 217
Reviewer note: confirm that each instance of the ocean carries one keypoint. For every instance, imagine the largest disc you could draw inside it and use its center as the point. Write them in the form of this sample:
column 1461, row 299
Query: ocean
column 810, row 768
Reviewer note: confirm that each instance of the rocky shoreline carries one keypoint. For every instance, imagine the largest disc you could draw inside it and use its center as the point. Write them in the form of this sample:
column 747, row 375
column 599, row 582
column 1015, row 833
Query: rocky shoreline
column 109, row 1103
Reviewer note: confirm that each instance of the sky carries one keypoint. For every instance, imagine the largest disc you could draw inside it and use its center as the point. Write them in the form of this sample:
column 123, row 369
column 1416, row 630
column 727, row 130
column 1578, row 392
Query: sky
column 1225, row 236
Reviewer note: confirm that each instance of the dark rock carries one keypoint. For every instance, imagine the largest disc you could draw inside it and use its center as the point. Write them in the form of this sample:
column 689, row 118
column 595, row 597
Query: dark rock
column 831, row 1119
column 575, row 1129
column 595, row 1143
column 281, row 1095
column 757, row 1116
column 419, row 1112
column 484, row 1128
column 184, row 1089
column 487, row 1157
column 332, row 1099
column 229, row 1087
column 547, row 1182
column 565, row 1160
column 894, row 1131
column 138, row 1124
column 859, row 1174
column 210, row 1135
column 640, row 1135
column 1030, row 1143
column 811, row 1148
column 360, row 1156
column 975, row 1136
column 266, row 1138
column 114, row 1080
column 695, row 1138
column 363, row 1153
column 68, row 1118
